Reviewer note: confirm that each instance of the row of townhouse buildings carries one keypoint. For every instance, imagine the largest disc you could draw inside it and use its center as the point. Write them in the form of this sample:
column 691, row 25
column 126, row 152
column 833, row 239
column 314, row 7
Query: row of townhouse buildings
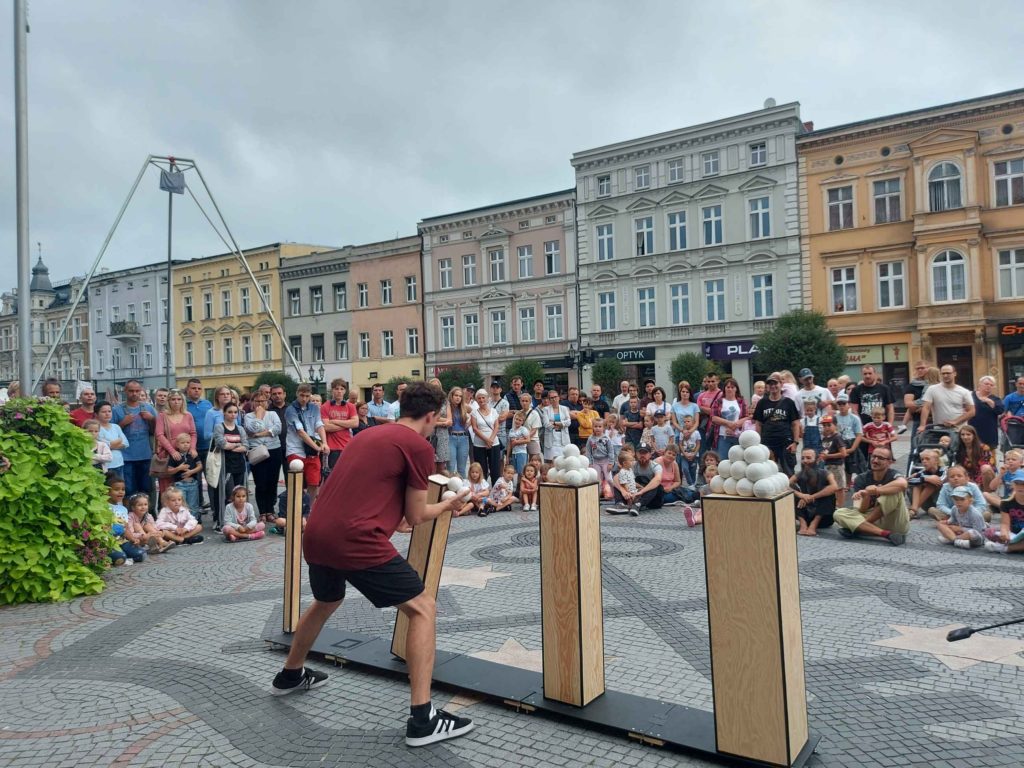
column 906, row 231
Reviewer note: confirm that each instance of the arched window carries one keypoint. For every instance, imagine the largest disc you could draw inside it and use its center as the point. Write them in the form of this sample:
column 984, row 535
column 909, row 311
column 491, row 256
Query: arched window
column 949, row 277
column 944, row 187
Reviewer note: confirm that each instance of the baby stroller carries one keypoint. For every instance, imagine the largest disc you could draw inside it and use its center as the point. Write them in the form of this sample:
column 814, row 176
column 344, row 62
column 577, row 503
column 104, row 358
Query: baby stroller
column 932, row 439
column 1013, row 431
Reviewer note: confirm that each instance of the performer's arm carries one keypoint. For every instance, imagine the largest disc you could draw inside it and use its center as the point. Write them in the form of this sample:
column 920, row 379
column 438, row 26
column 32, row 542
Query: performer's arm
column 418, row 511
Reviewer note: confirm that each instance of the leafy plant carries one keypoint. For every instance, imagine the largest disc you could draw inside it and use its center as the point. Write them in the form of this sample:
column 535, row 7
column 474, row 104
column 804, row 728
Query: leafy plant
column 391, row 387
column 801, row 339
column 460, row 376
column 275, row 378
column 54, row 517
column 691, row 367
column 608, row 372
column 529, row 370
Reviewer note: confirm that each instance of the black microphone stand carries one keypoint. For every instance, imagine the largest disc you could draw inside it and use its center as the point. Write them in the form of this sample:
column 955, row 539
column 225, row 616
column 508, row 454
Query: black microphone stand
column 964, row 632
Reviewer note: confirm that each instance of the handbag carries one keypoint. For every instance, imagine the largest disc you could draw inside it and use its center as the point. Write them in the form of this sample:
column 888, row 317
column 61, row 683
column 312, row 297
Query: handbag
column 258, row 453
column 158, row 462
column 214, row 462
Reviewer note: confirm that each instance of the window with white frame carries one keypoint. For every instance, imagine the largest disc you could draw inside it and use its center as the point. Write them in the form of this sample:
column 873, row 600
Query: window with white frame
column 469, row 269
column 133, row 356
column 764, row 295
column 267, row 342
column 364, row 294
column 130, row 317
column 887, row 200
column 228, row 350
column 412, row 341
column 679, row 300
column 163, row 309
column 645, row 307
column 709, row 163
column 555, row 322
column 76, row 329
column 364, row 345
column 444, row 272
column 552, row 257
column 605, row 242
column 189, row 355
column 606, row 310
column 411, row 289
column 1011, row 273
column 525, row 254
column 147, row 313
column 499, row 327
column 758, row 153
column 891, row 293
column 677, row 231
column 714, row 300
column 115, row 355
column 642, row 176
column 294, row 302
column 1009, row 176
column 186, row 309
column 247, row 349
column 316, row 342
column 840, row 208
column 676, row 169
column 448, row 332
column 604, row 186
column 243, row 297
column 760, row 217
column 340, row 297
column 387, row 343
column 527, row 324
column 115, row 317
column 496, row 258
column 225, row 303
column 644, row 235
column 711, row 219
column 949, row 277
column 341, row 345
column 844, row 289
column 99, row 314
column 471, row 329
column 944, row 187
column 147, row 356
column 316, row 299
column 385, row 292
column 207, row 306
column 265, row 290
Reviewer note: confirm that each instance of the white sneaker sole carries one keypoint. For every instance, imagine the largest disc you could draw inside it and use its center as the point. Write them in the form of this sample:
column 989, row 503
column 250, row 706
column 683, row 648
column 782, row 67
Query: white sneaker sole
column 433, row 738
column 300, row 687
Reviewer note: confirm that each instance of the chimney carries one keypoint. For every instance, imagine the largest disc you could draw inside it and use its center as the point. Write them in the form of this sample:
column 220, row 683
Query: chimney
column 809, row 125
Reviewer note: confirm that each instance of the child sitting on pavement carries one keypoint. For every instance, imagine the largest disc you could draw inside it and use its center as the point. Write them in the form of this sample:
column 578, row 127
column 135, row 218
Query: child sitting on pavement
column 115, row 497
column 625, row 483
column 141, row 528
column 1002, row 486
column 480, row 487
column 528, row 488
column 925, row 482
column 965, row 526
column 1009, row 537
column 281, row 521
column 176, row 520
column 240, row 521
column 956, row 477
column 503, row 493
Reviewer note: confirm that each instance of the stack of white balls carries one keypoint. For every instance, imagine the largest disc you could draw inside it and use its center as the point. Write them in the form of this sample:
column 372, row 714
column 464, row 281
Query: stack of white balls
column 456, row 486
column 571, row 468
column 748, row 470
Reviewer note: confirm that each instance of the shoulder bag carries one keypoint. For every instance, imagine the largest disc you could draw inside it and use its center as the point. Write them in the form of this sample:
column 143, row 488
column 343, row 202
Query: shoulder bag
column 214, row 462
column 158, row 462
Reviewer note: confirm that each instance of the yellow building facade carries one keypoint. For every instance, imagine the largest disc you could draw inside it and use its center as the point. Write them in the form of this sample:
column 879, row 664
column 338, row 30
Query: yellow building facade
column 224, row 334
column 913, row 237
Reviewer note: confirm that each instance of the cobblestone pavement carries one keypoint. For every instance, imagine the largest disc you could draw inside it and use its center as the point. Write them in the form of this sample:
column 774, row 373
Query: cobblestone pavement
column 166, row 667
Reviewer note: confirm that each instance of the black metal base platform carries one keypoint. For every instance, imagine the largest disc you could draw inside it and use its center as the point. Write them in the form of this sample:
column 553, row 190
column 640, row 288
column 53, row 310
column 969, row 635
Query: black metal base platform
column 651, row 721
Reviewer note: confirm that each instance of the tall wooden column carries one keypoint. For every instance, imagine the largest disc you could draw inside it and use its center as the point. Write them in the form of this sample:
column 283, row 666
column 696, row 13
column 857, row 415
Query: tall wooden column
column 426, row 555
column 757, row 658
column 572, row 608
column 292, row 552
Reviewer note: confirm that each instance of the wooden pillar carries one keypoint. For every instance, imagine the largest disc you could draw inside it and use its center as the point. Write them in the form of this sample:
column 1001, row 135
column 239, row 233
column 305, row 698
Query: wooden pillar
column 572, row 608
column 292, row 551
column 426, row 556
column 757, row 659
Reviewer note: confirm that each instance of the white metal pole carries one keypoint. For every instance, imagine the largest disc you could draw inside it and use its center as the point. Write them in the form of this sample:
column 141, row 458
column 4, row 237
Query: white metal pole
column 21, row 162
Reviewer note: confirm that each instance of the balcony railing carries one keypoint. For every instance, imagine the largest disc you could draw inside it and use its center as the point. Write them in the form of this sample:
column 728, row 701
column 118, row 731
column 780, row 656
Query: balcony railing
column 121, row 374
column 124, row 329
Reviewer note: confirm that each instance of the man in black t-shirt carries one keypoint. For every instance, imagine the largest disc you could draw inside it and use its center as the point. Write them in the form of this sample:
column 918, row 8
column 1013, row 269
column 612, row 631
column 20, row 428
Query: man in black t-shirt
column 778, row 421
column 598, row 401
column 880, row 500
column 871, row 393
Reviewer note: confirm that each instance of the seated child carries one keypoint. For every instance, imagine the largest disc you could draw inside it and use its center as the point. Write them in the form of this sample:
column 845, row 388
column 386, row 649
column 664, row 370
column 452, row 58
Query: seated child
column 281, row 521
column 709, row 461
column 480, row 487
column 184, row 472
column 528, row 487
column 176, row 520
column 141, row 531
column 503, row 493
column 101, row 454
column 662, row 433
column 956, row 477
column 115, row 497
column 599, row 450
column 240, row 521
column 542, row 469
column 624, row 482
column 1010, row 535
column 1001, row 486
column 925, row 482
column 965, row 526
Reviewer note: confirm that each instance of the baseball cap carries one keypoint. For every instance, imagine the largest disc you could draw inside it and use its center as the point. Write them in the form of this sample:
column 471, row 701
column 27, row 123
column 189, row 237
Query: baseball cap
column 1017, row 477
column 771, row 379
column 964, row 492
column 842, row 397
column 496, row 383
column 647, row 448
column 826, row 420
column 470, row 386
column 805, row 372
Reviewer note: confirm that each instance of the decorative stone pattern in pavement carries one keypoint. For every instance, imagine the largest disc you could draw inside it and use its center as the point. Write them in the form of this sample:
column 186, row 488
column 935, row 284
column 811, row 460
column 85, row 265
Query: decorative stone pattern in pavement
column 165, row 668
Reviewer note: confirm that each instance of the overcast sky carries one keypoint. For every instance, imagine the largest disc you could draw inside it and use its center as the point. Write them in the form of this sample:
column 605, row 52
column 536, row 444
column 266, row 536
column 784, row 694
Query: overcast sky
column 344, row 123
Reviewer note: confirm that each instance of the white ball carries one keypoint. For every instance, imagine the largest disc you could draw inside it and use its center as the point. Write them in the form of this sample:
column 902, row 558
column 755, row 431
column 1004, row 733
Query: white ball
column 744, row 487
column 717, row 484
column 782, row 483
column 454, row 484
column 570, row 450
column 764, row 488
column 730, row 486
column 749, row 437
column 738, row 469
column 448, row 495
column 774, row 466
column 583, row 461
column 755, row 454
column 725, row 468
column 553, row 475
column 574, row 462
column 592, row 475
column 757, row 472
column 573, row 477
column 736, row 453
column 559, row 462
column 296, row 465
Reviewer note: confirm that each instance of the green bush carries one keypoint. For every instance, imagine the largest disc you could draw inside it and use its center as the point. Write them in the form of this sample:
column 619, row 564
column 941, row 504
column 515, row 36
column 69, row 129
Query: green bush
column 391, row 387
column 529, row 370
column 274, row 378
column 608, row 372
column 54, row 517
column 691, row 367
column 460, row 376
column 801, row 339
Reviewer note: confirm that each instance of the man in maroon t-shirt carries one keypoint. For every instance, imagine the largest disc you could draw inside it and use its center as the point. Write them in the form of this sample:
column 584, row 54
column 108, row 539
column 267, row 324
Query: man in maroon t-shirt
column 348, row 539
column 338, row 416
column 87, row 408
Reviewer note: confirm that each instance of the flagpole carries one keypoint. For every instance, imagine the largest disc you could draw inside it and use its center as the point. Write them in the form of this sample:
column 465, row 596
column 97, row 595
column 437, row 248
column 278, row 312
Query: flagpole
column 21, row 163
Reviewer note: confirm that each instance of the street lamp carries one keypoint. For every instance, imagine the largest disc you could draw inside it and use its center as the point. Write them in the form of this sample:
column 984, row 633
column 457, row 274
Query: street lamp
column 316, row 377
column 580, row 356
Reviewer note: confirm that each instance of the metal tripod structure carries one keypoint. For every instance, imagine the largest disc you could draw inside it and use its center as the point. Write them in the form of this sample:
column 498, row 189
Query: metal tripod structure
column 171, row 164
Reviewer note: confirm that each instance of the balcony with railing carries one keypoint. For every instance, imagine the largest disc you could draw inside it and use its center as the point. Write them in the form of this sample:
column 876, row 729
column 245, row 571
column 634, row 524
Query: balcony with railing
column 124, row 329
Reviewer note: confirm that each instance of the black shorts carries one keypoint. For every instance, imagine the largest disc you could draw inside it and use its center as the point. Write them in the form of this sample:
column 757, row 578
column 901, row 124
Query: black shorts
column 392, row 583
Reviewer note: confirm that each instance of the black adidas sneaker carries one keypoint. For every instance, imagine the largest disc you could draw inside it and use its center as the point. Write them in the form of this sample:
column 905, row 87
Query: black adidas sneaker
column 310, row 679
column 439, row 727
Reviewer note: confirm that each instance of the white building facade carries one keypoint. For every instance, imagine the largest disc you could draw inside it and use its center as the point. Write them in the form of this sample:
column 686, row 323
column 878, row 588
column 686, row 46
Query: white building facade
column 688, row 241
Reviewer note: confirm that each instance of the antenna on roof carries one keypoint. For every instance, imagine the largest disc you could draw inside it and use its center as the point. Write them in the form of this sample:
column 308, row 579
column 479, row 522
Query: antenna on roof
column 769, row 103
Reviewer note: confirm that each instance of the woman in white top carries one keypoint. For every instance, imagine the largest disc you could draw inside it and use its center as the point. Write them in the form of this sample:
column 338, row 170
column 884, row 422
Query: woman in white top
column 556, row 427
column 484, row 425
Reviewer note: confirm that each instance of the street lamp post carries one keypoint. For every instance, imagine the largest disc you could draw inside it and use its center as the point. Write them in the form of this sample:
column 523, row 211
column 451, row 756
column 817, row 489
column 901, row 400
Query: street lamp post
column 580, row 356
column 316, row 377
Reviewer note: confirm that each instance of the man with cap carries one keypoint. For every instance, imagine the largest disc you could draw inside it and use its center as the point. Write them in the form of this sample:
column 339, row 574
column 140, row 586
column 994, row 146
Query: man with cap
column 778, row 421
column 469, row 396
column 648, row 479
column 539, row 396
column 880, row 503
column 500, row 406
column 648, row 397
column 809, row 391
column 850, row 429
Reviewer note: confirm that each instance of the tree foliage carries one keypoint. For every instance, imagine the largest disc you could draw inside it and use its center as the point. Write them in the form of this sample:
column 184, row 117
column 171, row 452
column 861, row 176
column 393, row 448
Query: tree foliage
column 275, row 378
column 55, row 522
column 608, row 372
column 528, row 370
column 690, row 367
column 391, row 387
column 460, row 376
column 801, row 339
